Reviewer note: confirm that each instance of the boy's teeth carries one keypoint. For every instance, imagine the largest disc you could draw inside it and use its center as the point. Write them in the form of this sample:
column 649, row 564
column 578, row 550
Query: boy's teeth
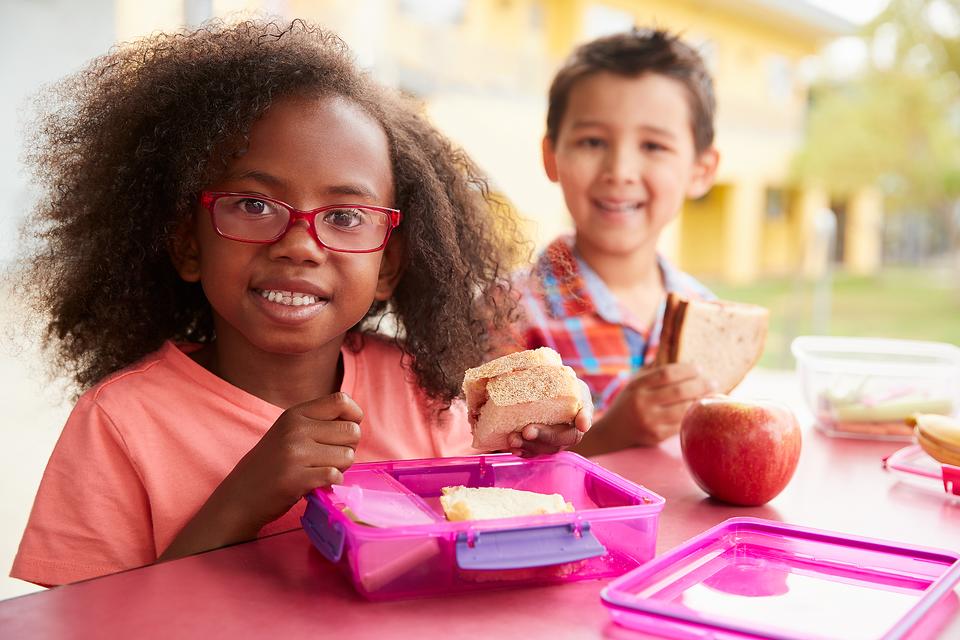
column 292, row 298
column 618, row 206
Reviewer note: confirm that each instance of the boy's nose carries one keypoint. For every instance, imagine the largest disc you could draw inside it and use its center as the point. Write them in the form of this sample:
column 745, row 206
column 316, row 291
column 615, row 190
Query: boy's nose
column 623, row 165
column 298, row 245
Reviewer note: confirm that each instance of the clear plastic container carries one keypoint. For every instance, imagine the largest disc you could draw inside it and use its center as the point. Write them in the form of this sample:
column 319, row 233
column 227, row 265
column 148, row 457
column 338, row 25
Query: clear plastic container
column 867, row 387
column 612, row 529
column 753, row 578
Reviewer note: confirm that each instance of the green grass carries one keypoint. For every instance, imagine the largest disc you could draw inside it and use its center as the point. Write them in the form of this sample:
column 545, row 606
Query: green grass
column 917, row 304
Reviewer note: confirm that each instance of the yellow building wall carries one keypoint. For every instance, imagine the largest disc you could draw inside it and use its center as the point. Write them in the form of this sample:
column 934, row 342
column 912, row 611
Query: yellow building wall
column 484, row 77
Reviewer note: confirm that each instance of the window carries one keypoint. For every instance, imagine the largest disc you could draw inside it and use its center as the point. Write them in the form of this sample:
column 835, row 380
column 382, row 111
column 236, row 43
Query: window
column 779, row 78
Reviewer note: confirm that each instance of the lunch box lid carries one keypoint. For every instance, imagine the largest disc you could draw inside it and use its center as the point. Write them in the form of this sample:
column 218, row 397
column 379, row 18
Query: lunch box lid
column 748, row 577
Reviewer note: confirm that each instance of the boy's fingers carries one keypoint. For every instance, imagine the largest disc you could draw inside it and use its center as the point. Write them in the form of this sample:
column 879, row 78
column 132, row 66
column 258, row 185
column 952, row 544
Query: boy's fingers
column 667, row 374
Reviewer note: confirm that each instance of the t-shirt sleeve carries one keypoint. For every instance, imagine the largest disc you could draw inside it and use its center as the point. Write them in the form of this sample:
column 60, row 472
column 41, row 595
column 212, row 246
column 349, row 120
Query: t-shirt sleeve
column 91, row 515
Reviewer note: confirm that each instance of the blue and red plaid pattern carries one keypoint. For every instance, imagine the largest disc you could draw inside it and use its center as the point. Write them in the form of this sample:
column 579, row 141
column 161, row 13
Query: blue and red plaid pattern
column 570, row 309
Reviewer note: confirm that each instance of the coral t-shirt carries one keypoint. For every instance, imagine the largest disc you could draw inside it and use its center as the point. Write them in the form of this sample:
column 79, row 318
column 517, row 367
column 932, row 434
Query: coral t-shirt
column 144, row 449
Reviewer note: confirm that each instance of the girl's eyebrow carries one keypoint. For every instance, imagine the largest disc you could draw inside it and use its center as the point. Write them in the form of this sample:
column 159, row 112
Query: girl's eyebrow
column 271, row 180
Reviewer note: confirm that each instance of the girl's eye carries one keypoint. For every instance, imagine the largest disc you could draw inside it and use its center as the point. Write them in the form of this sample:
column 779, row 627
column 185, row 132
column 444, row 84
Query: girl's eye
column 344, row 218
column 251, row 207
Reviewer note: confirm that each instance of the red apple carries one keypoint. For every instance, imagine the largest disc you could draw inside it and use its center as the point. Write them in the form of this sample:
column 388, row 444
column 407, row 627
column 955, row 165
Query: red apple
column 741, row 452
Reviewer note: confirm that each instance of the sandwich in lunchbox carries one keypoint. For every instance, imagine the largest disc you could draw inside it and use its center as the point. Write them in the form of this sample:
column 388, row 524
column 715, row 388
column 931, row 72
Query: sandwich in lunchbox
column 508, row 393
column 724, row 338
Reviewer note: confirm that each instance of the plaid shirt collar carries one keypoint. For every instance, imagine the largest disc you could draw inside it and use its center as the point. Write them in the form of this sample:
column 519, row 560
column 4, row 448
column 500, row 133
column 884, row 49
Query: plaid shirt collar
column 572, row 288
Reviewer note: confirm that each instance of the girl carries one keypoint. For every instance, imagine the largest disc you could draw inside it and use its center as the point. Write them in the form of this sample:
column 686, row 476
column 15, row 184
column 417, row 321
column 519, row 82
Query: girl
column 230, row 215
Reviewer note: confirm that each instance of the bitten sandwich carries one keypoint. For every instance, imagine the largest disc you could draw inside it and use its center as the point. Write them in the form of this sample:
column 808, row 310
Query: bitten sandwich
column 724, row 338
column 527, row 387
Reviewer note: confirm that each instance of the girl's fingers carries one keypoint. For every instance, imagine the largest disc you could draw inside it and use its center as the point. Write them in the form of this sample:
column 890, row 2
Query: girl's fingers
column 336, row 406
column 325, row 455
column 584, row 418
column 337, row 432
column 323, row 477
column 553, row 435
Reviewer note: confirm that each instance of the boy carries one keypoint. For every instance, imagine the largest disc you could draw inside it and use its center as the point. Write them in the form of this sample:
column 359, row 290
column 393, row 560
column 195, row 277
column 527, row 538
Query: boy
column 629, row 138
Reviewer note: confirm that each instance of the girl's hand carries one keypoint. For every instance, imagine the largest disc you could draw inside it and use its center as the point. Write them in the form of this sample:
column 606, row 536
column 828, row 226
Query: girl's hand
column 649, row 408
column 309, row 446
column 540, row 439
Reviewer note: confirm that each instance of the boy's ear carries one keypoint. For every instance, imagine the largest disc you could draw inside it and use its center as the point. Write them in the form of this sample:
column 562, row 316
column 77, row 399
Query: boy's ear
column 549, row 159
column 185, row 252
column 704, row 173
column 391, row 266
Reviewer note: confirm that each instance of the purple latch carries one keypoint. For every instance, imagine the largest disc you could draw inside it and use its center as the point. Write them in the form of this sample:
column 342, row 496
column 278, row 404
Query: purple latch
column 327, row 536
column 527, row 547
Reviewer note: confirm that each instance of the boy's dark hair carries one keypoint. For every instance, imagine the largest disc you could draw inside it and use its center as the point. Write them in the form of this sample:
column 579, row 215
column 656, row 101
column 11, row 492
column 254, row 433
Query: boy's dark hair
column 131, row 140
column 632, row 54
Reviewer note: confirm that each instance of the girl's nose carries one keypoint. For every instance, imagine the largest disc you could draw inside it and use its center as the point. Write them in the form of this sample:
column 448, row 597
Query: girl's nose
column 622, row 165
column 298, row 245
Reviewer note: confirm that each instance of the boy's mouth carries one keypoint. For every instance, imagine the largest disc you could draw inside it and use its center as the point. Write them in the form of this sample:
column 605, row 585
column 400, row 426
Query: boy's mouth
column 619, row 206
column 289, row 298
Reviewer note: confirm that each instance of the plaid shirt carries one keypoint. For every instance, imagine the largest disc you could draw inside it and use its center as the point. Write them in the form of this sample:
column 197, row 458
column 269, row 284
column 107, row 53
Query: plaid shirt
column 570, row 309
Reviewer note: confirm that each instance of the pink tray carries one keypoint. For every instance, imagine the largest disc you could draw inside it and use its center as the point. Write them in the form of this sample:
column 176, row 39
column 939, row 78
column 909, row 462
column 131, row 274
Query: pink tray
column 752, row 578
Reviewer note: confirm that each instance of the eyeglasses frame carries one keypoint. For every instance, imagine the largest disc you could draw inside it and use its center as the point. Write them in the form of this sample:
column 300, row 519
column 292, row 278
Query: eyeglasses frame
column 209, row 198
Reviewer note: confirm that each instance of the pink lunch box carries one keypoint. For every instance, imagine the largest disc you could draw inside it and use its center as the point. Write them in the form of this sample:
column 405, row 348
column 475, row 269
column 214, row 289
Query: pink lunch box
column 612, row 530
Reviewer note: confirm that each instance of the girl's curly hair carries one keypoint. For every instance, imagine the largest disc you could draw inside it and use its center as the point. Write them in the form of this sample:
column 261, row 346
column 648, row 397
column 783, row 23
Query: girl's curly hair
column 126, row 145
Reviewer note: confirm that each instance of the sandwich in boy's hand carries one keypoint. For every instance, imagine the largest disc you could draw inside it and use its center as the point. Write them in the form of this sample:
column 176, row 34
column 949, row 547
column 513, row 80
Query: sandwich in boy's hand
column 527, row 387
column 724, row 338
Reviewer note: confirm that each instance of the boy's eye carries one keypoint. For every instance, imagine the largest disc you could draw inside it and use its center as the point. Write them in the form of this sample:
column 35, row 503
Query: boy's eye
column 653, row 146
column 344, row 218
column 591, row 142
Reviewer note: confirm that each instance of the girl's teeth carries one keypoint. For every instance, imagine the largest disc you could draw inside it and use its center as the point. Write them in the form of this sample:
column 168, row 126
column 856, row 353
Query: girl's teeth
column 289, row 298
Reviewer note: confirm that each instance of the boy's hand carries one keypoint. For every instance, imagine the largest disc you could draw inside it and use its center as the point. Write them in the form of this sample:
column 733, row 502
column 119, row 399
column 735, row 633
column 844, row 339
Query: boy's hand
column 540, row 439
column 649, row 408
column 309, row 446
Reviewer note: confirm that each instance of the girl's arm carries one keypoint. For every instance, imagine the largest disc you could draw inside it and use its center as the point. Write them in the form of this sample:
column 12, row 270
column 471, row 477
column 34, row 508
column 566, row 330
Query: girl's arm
column 309, row 446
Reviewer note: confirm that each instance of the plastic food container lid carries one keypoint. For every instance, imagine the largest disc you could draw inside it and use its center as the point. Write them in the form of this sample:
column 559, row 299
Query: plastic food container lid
column 748, row 577
column 913, row 463
column 876, row 356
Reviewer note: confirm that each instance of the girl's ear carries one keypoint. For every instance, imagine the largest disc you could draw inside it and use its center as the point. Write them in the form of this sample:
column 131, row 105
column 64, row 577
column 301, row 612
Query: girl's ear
column 391, row 266
column 185, row 252
column 704, row 173
column 549, row 159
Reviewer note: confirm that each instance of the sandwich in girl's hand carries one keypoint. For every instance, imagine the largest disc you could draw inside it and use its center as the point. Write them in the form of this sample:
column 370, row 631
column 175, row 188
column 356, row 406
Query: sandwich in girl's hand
column 527, row 387
column 724, row 338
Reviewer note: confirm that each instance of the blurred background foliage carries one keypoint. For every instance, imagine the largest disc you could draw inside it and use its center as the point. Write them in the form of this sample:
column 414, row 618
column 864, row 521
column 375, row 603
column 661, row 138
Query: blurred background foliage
column 897, row 123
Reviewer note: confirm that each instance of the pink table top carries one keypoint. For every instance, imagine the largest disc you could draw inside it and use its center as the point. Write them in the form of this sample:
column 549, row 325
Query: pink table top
column 280, row 587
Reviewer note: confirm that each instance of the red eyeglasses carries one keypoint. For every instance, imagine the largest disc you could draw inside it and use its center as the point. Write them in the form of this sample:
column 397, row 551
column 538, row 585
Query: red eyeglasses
column 349, row 228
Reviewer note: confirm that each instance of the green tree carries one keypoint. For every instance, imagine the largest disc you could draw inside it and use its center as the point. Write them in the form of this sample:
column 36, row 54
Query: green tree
column 896, row 125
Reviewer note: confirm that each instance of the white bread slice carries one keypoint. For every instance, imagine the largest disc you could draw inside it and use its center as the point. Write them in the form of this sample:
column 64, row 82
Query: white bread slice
column 539, row 395
column 725, row 338
column 475, row 380
column 485, row 503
